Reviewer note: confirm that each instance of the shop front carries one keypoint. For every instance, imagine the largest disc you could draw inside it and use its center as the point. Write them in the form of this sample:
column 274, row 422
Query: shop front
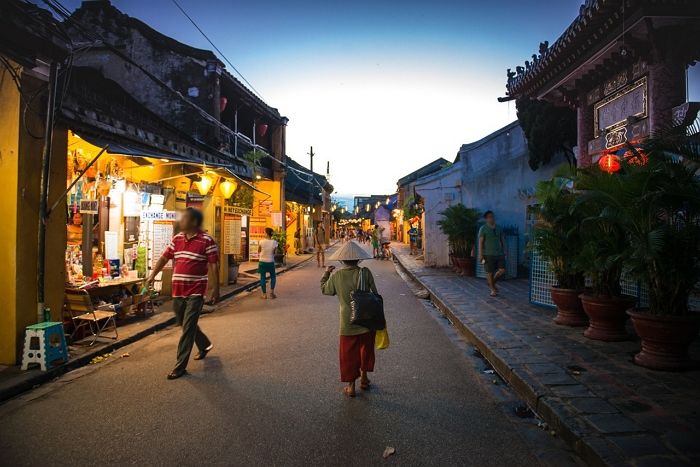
column 122, row 208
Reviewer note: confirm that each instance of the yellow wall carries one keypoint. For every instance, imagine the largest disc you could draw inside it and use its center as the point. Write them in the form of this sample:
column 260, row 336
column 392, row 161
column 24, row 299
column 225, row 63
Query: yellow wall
column 20, row 160
column 9, row 151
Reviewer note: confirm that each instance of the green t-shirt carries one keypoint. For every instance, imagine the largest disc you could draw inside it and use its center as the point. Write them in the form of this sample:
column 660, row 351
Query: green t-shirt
column 341, row 283
column 492, row 240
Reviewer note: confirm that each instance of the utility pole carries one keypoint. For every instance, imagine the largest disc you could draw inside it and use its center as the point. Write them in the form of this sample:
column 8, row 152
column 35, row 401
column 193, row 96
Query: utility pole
column 311, row 157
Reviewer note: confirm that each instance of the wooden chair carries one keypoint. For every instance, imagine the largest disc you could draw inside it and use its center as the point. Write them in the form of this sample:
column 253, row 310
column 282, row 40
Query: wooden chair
column 83, row 314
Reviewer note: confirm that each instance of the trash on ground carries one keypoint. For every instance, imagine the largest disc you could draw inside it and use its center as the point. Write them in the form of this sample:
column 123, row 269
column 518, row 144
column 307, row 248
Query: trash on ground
column 388, row 451
column 125, row 355
column 423, row 294
column 489, row 372
column 100, row 358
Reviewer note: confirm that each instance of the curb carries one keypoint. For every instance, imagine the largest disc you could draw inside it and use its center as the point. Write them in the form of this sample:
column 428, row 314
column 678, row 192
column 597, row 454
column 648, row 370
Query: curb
column 85, row 359
column 549, row 409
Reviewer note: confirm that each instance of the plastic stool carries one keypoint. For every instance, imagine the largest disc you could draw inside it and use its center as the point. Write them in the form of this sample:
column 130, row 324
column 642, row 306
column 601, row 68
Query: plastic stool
column 44, row 343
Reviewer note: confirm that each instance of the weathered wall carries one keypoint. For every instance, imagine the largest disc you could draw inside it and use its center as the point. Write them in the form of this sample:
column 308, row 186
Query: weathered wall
column 439, row 191
column 489, row 174
column 179, row 71
column 496, row 177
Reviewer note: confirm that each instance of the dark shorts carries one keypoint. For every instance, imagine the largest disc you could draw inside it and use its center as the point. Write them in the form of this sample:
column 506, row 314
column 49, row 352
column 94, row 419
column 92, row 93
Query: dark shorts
column 494, row 263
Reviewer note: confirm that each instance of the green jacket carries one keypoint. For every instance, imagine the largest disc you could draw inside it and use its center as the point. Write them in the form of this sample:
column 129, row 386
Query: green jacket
column 341, row 283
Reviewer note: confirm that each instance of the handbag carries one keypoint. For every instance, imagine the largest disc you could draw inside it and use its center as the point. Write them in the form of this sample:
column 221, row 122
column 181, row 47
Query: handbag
column 381, row 339
column 366, row 307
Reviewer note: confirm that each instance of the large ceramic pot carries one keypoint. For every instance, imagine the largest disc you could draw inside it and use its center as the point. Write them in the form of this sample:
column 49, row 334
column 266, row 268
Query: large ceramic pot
column 279, row 259
column 665, row 339
column 607, row 317
column 569, row 309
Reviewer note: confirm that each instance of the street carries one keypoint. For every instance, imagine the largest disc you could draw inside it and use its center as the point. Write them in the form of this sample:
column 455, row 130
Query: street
column 269, row 394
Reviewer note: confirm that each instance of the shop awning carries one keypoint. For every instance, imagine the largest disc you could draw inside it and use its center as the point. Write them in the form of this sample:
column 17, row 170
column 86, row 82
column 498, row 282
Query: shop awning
column 128, row 149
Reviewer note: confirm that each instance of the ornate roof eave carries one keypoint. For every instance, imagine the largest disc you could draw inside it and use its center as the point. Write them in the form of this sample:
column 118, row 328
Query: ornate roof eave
column 593, row 32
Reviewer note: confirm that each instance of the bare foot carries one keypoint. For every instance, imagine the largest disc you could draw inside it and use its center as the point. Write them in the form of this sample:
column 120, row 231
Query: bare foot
column 349, row 391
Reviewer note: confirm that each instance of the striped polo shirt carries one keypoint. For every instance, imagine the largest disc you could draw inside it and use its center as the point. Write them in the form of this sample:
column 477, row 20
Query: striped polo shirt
column 192, row 257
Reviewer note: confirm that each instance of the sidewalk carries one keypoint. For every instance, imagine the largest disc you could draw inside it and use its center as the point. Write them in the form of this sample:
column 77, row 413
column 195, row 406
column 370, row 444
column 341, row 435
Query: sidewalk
column 609, row 410
column 14, row 381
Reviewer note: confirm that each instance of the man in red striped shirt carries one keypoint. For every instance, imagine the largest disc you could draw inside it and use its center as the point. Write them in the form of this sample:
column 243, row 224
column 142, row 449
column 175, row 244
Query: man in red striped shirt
column 196, row 256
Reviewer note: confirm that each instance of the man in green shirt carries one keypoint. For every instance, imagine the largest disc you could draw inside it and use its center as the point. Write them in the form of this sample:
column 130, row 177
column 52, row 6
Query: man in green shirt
column 492, row 246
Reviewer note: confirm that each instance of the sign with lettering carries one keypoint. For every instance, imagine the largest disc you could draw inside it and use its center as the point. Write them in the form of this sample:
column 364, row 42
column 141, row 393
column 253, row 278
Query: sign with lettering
column 159, row 215
column 232, row 234
column 237, row 210
column 612, row 112
column 89, row 206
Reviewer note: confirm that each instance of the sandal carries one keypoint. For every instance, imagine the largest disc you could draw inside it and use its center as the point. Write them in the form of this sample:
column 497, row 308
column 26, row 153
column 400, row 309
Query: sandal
column 365, row 385
column 348, row 391
column 494, row 293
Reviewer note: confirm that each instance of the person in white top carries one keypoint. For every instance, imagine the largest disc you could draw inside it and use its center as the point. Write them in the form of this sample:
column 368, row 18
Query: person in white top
column 266, row 263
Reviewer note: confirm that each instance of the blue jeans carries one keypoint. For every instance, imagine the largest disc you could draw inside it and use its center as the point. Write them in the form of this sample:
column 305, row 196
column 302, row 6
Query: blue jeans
column 263, row 269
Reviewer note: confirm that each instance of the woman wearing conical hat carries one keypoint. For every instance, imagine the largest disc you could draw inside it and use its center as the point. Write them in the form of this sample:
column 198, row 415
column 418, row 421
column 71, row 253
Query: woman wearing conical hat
column 356, row 342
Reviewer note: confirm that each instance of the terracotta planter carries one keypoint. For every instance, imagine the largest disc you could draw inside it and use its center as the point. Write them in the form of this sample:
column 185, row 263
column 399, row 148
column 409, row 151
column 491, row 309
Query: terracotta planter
column 665, row 340
column 569, row 309
column 607, row 317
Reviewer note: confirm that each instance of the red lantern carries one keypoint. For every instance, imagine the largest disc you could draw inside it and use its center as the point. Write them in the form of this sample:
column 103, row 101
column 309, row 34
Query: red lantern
column 609, row 163
column 262, row 129
column 223, row 102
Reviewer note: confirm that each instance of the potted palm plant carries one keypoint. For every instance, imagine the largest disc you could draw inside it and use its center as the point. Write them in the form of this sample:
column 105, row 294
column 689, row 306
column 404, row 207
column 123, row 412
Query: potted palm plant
column 280, row 237
column 557, row 238
column 660, row 212
column 601, row 257
column 459, row 223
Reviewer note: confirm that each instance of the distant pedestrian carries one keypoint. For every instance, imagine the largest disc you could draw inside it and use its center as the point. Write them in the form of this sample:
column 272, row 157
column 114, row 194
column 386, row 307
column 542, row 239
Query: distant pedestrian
column 196, row 257
column 413, row 238
column 493, row 251
column 320, row 244
column 266, row 263
column 356, row 348
column 297, row 242
column 376, row 237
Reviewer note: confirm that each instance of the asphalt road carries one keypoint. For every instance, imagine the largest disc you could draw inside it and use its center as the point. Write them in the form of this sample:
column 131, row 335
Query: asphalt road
column 269, row 394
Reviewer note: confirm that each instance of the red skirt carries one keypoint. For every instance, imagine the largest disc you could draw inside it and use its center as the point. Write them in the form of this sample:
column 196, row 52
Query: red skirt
column 356, row 353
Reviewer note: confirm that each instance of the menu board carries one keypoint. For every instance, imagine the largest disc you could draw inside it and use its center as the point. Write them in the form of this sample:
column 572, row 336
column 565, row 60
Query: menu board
column 232, row 234
column 162, row 233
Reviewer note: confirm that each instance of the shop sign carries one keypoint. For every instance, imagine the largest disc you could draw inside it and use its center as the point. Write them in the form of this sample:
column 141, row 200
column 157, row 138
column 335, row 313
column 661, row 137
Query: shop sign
column 232, row 234
column 238, row 210
column 159, row 216
column 89, row 206
column 612, row 112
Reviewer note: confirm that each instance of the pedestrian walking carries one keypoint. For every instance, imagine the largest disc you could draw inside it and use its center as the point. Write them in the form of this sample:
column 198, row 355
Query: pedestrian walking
column 266, row 263
column 297, row 242
column 413, row 238
column 195, row 257
column 320, row 244
column 493, row 251
column 356, row 348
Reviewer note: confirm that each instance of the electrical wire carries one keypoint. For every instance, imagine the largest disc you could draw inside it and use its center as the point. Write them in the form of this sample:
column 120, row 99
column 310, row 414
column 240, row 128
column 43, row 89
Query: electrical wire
column 216, row 48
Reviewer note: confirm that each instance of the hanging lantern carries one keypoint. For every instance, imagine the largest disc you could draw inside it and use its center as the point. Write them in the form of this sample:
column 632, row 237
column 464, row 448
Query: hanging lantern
column 262, row 130
column 227, row 188
column 204, row 184
column 223, row 102
column 609, row 163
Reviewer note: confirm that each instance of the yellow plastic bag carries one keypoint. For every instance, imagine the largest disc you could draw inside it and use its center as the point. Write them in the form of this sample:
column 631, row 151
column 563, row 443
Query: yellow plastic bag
column 381, row 339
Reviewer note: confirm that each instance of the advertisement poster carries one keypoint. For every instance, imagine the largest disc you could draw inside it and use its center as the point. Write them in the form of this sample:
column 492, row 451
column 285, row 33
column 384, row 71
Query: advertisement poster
column 276, row 220
column 256, row 233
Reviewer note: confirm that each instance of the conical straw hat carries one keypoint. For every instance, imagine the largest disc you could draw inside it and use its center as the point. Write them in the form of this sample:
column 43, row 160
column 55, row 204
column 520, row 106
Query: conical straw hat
column 351, row 251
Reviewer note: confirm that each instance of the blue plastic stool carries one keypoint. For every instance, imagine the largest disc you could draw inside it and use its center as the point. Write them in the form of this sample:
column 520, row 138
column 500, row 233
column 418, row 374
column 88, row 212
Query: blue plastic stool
column 44, row 344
